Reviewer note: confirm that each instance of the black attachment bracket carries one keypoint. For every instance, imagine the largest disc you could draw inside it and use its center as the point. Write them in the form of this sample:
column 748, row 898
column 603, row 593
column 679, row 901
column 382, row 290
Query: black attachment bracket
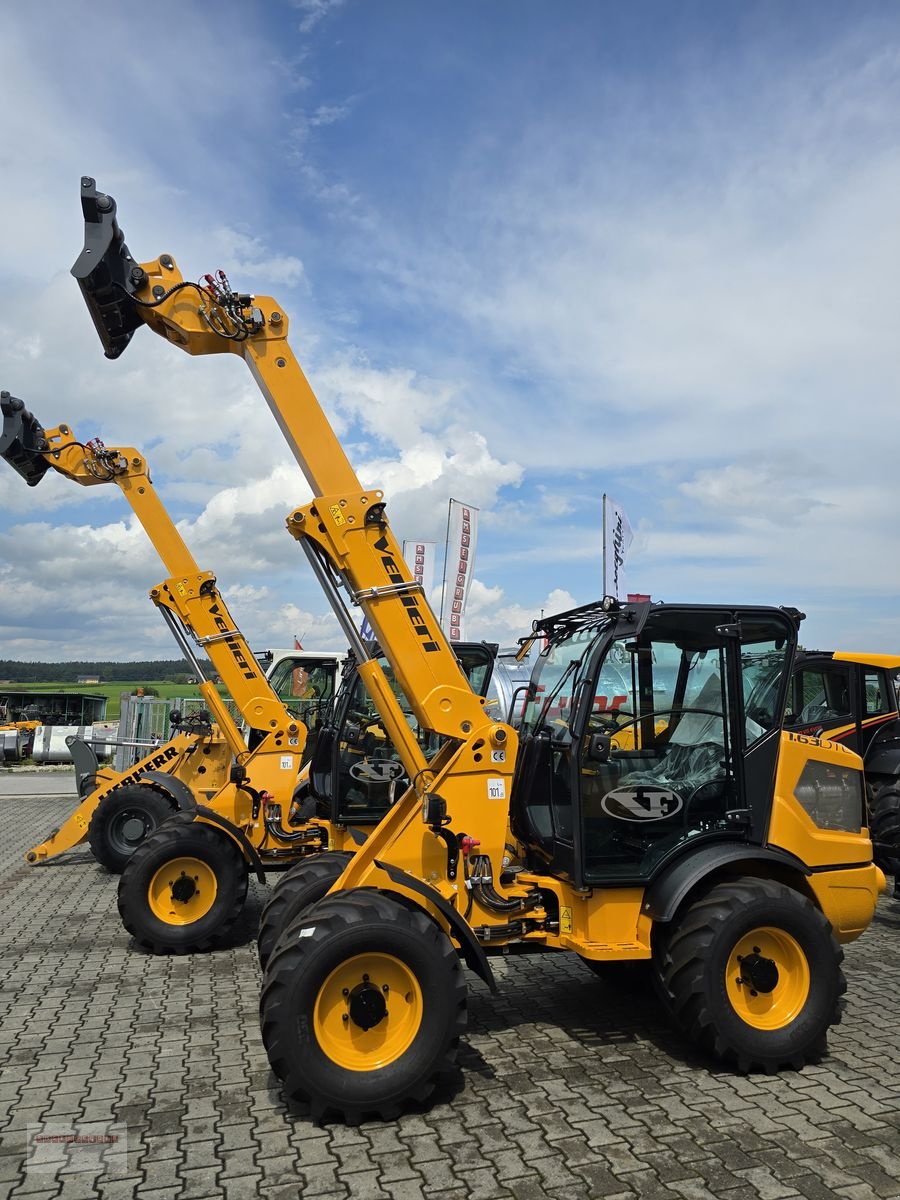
column 22, row 440
column 106, row 272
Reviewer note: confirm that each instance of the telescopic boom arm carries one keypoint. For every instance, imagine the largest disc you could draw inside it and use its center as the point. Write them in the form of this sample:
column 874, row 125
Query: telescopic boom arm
column 189, row 599
column 344, row 531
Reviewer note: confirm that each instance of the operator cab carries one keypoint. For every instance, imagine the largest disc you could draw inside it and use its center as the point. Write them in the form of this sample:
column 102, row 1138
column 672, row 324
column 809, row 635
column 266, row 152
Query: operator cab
column 647, row 728
column 355, row 772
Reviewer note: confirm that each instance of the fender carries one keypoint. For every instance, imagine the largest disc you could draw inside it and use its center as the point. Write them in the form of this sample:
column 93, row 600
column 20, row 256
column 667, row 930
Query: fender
column 476, row 959
column 175, row 789
column 885, row 760
column 666, row 892
column 237, row 835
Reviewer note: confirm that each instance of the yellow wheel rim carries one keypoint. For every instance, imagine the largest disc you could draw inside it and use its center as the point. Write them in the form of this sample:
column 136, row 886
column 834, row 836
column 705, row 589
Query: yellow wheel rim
column 374, row 990
column 182, row 891
column 767, row 978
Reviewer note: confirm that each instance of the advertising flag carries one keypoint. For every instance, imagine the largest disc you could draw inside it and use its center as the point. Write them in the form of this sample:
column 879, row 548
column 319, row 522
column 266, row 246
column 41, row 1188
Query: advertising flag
column 420, row 557
column 617, row 538
column 459, row 561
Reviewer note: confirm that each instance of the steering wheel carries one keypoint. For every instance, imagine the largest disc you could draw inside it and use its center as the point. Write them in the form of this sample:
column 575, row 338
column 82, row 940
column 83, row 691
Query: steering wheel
column 608, row 720
column 659, row 712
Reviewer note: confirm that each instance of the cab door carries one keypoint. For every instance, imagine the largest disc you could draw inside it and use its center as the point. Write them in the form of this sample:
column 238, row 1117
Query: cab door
column 825, row 701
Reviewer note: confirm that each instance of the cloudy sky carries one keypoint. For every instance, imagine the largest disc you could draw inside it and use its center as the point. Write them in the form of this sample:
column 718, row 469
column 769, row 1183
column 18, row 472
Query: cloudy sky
column 531, row 252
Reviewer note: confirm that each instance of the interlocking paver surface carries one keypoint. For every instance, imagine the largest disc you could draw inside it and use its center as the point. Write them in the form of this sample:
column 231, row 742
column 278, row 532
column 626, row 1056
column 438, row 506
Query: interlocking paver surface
column 569, row 1089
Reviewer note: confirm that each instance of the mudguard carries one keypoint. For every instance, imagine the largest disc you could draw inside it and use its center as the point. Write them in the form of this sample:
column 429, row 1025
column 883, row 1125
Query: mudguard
column 668, row 890
column 174, row 788
column 475, row 957
column 236, row 835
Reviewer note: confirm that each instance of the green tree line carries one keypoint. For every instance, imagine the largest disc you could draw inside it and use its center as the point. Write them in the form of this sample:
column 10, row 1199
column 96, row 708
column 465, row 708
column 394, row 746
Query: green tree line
column 160, row 670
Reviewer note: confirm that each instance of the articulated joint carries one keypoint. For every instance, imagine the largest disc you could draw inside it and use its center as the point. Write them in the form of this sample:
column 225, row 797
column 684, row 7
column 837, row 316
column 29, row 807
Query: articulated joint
column 328, row 519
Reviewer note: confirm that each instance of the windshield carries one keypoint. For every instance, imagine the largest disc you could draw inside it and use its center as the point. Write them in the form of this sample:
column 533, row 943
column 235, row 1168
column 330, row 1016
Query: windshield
column 554, row 678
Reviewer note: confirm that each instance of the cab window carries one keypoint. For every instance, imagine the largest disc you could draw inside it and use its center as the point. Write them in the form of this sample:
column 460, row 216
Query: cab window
column 822, row 694
column 305, row 686
column 878, row 695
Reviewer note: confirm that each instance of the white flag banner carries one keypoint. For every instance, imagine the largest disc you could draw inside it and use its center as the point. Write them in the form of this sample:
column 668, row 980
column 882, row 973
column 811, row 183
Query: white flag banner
column 617, row 537
column 420, row 558
column 459, row 561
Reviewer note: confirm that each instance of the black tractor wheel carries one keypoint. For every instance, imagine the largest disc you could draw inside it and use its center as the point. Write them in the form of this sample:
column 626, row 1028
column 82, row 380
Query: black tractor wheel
column 183, row 888
column 307, row 882
column 754, row 975
column 362, row 1007
column 884, row 829
column 123, row 819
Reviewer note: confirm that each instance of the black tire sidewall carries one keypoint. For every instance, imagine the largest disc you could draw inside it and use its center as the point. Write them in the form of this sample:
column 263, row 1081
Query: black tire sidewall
column 155, row 806
column 296, row 892
column 192, row 841
column 433, row 972
column 803, row 922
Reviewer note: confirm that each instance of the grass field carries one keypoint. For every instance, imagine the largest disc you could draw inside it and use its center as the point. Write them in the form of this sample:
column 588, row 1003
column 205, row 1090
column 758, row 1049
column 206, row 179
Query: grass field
column 113, row 691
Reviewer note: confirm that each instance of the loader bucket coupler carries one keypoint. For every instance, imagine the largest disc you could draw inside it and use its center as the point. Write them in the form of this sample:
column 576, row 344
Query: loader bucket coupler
column 22, row 440
column 107, row 274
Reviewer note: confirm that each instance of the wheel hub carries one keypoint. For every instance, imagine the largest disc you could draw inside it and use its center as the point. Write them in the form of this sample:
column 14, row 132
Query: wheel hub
column 133, row 829
column 367, row 1006
column 759, row 973
column 184, row 888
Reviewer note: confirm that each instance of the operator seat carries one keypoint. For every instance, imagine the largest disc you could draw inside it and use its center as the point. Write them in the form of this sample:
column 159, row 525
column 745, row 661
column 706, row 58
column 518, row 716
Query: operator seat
column 692, row 762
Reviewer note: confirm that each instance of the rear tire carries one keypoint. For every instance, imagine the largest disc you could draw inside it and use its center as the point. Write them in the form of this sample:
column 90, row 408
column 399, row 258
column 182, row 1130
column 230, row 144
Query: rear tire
column 183, row 889
column 123, row 819
column 884, row 829
column 362, row 1006
column 754, row 975
column 304, row 884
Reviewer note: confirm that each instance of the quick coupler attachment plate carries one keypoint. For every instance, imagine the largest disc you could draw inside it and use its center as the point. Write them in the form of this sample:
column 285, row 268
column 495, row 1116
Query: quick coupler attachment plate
column 107, row 274
column 22, row 440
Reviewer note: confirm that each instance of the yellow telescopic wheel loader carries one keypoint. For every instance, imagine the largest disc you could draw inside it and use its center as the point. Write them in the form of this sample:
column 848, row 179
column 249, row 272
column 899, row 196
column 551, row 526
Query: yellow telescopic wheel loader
column 187, row 898
column 689, row 831
column 118, row 809
column 177, row 902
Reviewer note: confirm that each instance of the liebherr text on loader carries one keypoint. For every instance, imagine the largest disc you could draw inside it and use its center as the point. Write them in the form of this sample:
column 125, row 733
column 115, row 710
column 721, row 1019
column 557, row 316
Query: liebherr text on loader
column 689, row 831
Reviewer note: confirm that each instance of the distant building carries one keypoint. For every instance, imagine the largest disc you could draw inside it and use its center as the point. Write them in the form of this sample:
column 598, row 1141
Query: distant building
column 88, row 679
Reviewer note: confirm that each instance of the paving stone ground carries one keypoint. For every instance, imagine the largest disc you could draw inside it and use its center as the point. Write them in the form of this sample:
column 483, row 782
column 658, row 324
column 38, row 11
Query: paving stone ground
column 569, row 1089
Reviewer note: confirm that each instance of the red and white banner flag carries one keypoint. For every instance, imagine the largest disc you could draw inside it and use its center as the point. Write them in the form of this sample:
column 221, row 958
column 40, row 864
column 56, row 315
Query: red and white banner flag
column 420, row 560
column 459, row 562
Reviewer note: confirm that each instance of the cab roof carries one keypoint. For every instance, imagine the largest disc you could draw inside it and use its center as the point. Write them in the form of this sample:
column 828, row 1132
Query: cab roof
column 889, row 662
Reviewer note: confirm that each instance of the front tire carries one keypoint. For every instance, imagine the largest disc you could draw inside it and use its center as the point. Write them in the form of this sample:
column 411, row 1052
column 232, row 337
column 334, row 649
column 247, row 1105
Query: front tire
column 754, row 975
column 123, row 820
column 307, row 882
column 183, row 889
column 362, row 1007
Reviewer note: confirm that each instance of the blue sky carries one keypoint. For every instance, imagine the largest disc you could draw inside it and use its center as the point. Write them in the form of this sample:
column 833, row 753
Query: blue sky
column 531, row 253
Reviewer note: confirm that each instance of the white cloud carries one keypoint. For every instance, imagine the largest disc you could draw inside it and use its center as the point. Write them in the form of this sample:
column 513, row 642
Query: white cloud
column 691, row 299
column 314, row 11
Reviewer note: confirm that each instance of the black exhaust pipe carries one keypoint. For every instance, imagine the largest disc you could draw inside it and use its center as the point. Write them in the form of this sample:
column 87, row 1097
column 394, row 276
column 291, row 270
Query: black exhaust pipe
column 107, row 274
column 22, row 440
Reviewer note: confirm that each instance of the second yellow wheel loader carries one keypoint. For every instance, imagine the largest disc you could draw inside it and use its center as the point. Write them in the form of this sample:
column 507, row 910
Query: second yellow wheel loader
column 851, row 698
column 688, row 830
